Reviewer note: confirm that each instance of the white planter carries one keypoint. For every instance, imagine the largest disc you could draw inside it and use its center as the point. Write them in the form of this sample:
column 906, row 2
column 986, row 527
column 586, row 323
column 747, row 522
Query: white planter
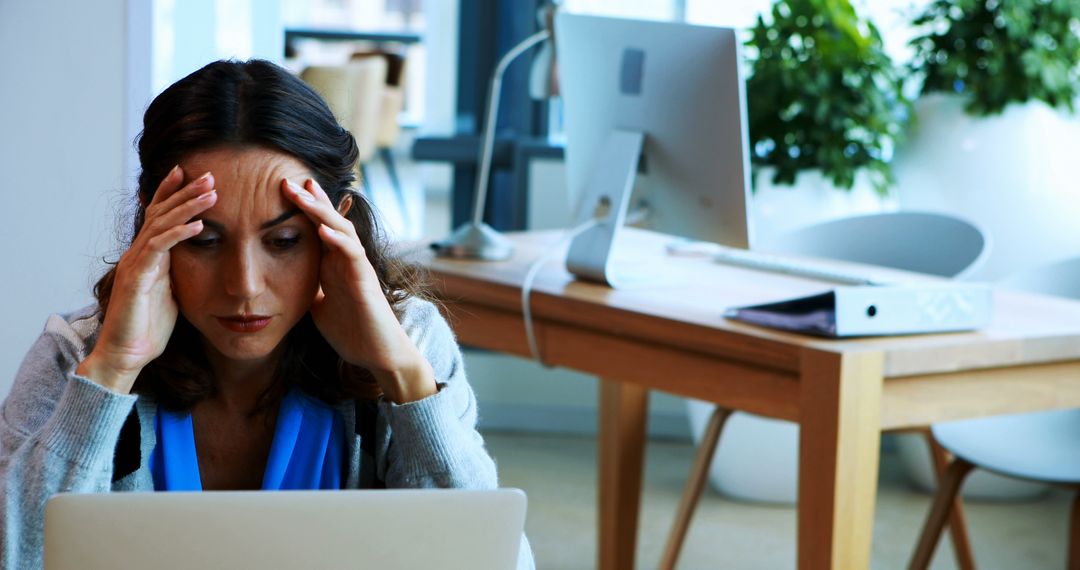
column 1017, row 174
column 777, row 210
column 757, row 458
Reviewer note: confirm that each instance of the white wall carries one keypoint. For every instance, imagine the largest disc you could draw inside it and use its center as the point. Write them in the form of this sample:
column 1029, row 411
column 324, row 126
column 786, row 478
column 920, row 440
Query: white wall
column 63, row 149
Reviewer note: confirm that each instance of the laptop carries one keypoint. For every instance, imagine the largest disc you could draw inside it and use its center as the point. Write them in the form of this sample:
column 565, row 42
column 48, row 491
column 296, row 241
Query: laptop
column 285, row 529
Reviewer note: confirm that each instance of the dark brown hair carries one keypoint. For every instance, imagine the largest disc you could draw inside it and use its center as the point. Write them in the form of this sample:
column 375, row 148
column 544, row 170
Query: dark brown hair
column 256, row 103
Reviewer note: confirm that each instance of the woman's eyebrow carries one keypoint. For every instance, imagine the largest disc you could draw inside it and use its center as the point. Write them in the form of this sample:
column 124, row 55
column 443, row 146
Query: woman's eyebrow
column 284, row 216
column 269, row 224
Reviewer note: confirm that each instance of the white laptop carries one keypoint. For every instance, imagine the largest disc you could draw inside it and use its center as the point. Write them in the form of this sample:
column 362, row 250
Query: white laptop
column 441, row 529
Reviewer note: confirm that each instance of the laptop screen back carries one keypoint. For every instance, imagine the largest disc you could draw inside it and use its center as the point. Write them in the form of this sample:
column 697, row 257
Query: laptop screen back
column 287, row 529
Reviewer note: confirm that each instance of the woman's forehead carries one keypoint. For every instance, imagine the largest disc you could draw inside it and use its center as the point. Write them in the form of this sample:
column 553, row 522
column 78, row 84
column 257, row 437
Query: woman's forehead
column 242, row 164
column 248, row 181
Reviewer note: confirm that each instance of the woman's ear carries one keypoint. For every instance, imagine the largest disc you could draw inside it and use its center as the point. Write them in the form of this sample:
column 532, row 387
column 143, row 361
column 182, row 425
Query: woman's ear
column 345, row 205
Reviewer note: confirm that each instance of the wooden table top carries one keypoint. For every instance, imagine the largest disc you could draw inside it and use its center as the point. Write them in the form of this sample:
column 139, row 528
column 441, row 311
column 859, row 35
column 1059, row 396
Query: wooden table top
column 682, row 299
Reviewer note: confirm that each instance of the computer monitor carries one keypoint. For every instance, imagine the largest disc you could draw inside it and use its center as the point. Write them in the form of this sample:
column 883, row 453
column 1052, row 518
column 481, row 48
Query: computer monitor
column 655, row 116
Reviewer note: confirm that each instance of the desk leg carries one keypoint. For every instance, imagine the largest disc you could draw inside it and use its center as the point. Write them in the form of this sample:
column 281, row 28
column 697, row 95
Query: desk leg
column 839, row 446
column 621, row 449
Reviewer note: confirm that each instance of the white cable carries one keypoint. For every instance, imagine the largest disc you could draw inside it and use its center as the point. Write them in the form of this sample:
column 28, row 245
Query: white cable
column 530, row 275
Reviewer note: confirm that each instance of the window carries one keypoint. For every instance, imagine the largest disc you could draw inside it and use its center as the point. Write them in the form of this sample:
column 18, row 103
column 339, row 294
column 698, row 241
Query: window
column 642, row 9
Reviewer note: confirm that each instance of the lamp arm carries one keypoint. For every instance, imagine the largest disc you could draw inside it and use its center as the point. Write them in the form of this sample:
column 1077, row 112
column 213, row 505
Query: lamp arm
column 494, row 93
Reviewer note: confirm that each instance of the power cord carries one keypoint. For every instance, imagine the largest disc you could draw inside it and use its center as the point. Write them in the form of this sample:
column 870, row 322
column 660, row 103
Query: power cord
column 530, row 276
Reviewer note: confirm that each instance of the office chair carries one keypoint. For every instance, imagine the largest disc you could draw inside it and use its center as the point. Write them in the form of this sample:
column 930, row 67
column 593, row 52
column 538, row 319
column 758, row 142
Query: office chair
column 388, row 127
column 931, row 243
column 357, row 94
column 923, row 242
column 354, row 93
column 1042, row 447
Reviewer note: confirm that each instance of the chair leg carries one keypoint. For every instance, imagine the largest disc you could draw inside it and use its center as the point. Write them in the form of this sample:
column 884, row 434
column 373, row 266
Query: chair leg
column 1074, row 534
column 388, row 160
column 695, row 484
column 965, row 559
column 939, row 513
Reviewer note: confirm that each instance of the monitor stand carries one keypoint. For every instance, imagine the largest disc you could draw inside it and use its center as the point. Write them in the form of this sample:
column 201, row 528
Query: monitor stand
column 606, row 198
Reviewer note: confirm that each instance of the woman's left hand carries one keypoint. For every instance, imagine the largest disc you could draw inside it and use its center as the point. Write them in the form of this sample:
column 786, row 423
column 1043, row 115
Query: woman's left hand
column 350, row 309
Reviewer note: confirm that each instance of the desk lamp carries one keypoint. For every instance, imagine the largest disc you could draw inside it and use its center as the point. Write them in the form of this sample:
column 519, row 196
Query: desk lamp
column 475, row 239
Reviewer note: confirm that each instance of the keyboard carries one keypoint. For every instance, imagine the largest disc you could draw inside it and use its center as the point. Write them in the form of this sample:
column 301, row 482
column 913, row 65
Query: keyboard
column 789, row 266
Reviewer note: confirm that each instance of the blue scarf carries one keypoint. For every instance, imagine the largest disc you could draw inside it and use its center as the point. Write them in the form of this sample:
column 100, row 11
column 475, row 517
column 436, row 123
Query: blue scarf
column 306, row 452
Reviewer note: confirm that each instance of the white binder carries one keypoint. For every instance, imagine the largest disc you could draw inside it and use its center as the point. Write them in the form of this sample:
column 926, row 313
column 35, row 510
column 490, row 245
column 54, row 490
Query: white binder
column 873, row 310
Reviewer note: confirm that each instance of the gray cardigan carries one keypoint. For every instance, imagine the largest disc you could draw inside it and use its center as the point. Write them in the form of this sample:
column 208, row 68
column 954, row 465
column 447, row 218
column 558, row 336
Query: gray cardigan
column 60, row 432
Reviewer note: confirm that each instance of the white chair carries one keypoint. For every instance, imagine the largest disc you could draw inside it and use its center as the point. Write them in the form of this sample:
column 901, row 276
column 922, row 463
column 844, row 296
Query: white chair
column 1043, row 447
column 923, row 242
column 931, row 243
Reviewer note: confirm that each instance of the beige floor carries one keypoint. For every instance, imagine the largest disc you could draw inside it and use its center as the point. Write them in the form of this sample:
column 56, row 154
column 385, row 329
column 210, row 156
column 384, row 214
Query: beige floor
column 559, row 475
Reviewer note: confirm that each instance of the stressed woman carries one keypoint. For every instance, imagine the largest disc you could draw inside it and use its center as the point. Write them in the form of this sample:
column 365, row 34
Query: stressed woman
column 254, row 335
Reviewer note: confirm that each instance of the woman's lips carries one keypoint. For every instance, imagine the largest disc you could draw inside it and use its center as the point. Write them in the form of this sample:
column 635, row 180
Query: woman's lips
column 245, row 324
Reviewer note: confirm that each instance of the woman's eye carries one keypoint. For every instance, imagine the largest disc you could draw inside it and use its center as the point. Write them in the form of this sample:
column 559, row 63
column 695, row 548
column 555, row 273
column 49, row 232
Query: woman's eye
column 284, row 242
column 204, row 241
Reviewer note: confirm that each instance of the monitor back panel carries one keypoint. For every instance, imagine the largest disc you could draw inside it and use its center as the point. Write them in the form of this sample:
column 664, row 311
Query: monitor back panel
column 679, row 84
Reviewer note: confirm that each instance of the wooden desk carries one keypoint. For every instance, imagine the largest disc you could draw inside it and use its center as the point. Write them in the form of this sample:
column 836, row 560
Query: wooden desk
column 671, row 337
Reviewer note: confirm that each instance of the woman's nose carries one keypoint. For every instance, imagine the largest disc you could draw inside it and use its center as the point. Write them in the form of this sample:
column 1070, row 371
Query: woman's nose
column 243, row 272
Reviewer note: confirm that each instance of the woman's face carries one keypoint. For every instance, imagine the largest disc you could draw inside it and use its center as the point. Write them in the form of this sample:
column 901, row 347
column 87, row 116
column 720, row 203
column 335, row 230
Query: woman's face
column 254, row 270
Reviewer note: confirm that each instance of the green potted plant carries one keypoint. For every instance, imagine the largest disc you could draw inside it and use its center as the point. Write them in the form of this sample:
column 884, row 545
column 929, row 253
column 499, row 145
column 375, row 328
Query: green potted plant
column 993, row 53
column 995, row 141
column 825, row 106
column 995, row 136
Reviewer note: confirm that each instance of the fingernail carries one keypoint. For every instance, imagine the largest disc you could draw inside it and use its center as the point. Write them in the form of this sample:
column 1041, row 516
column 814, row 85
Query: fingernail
column 203, row 178
column 208, row 196
column 173, row 172
column 300, row 191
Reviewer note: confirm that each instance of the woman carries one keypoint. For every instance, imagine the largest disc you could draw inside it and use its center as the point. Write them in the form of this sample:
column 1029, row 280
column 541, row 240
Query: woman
column 253, row 335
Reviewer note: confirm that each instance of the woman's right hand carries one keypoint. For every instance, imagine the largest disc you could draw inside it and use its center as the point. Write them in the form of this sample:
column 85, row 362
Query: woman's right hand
column 142, row 310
